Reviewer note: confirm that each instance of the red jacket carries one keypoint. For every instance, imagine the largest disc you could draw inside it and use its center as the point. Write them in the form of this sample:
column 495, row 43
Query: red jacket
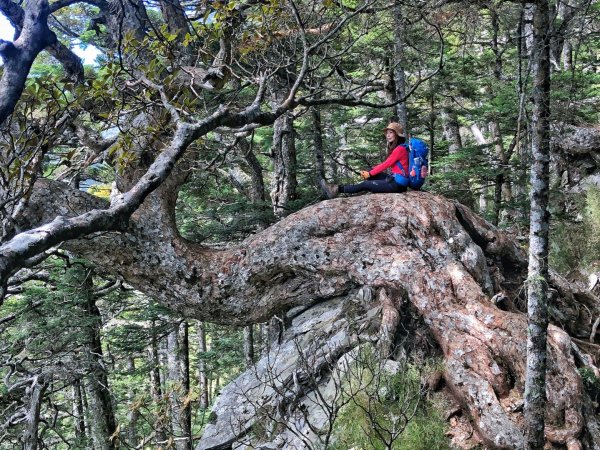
column 400, row 153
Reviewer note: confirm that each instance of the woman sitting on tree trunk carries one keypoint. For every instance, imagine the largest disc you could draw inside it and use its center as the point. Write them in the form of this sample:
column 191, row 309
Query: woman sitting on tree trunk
column 376, row 180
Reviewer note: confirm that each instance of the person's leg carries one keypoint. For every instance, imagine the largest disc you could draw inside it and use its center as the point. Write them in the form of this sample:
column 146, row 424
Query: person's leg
column 379, row 176
column 386, row 185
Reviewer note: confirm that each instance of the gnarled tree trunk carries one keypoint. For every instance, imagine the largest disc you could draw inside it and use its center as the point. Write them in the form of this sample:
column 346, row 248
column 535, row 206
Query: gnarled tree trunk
column 444, row 259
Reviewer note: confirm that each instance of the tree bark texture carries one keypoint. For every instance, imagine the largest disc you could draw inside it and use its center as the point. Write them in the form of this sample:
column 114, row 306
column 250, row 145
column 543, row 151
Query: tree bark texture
column 178, row 384
column 451, row 130
column 175, row 18
column 70, row 61
column 561, row 49
column 133, row 413
column 78, row 411
column 176, row 392
column 318, row 150
column 186, row 413
column 156, row 388
column 99, row 422
column 283, row 152
column 101, row 412
column 256, row 192
column 537, row 281
column 248, row 345
column 202, row 377
column 125, row 18
column 35, row 394
column 18, row 56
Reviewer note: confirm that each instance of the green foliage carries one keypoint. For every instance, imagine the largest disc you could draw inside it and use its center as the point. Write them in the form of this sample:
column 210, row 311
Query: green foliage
column 591, row 382
column 426, row 431
column 210, row 210
column 566, row 246
column 576, row 245
column 389, row 411
column 588, row 377
column 225, row 358
column 51, row 332
column 592, row 220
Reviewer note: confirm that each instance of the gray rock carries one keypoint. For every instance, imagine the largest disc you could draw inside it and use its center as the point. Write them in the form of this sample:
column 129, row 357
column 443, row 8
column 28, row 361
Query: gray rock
column 275, row 405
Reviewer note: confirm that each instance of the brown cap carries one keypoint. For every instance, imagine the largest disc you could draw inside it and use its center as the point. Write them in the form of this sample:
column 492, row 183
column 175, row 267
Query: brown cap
column 396, row 128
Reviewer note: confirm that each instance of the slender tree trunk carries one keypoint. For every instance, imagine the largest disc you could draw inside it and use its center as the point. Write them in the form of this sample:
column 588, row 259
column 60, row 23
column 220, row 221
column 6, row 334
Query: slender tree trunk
column 174, row 15
column 451, row 131
column 202, row 378
column 99, row 426
column 210, row 390
column 502, row 188
column 35, row 394
column 567, row 55
column 451, row 134
column 520, row 188
column 175, row 391
column 172, row 386
column 528, row 13
column 248, row 346
column 562, row 49
column 101, row 413
column 399, row 61
column 432, row 120
column 318, row 151
column 523, row 147
column 156, row 387
column 86, row 409
column 263, row 336
column 483, row 195
column 342, row 168
column 133, row 413
column 284, row 184
column 501, row 183
column 257, row 188
column 78, row 412
column 537, row 302
column 186, row 412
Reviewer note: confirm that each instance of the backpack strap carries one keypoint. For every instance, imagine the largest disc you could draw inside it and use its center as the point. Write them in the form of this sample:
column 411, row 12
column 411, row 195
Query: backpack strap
column 403, row 172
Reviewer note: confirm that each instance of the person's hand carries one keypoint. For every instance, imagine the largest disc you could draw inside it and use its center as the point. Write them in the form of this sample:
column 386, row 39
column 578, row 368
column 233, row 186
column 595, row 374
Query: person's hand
column 365, row 174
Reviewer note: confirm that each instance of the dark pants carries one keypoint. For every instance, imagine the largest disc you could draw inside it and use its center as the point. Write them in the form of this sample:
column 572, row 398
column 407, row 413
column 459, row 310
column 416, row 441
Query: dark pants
column 381, row 183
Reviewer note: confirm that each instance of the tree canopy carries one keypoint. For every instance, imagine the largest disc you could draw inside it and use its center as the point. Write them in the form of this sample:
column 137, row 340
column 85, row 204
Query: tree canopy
column 185, row 162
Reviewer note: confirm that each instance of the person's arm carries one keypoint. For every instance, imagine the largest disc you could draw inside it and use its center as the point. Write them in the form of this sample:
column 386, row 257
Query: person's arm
column 389, row 162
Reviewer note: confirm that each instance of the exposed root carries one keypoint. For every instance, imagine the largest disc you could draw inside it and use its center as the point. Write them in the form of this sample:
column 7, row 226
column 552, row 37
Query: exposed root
column 389, row 324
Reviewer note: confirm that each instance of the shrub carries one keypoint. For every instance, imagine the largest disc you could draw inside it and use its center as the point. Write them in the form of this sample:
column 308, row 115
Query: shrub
column 389, row 411
column 576, row 245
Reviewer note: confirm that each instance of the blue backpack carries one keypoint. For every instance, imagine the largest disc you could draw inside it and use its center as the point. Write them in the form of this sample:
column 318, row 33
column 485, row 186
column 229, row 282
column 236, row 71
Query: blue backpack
column 418, row 165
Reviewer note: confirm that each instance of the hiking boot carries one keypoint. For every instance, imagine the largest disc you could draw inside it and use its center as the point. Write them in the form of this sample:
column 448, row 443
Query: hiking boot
column 329, row 190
